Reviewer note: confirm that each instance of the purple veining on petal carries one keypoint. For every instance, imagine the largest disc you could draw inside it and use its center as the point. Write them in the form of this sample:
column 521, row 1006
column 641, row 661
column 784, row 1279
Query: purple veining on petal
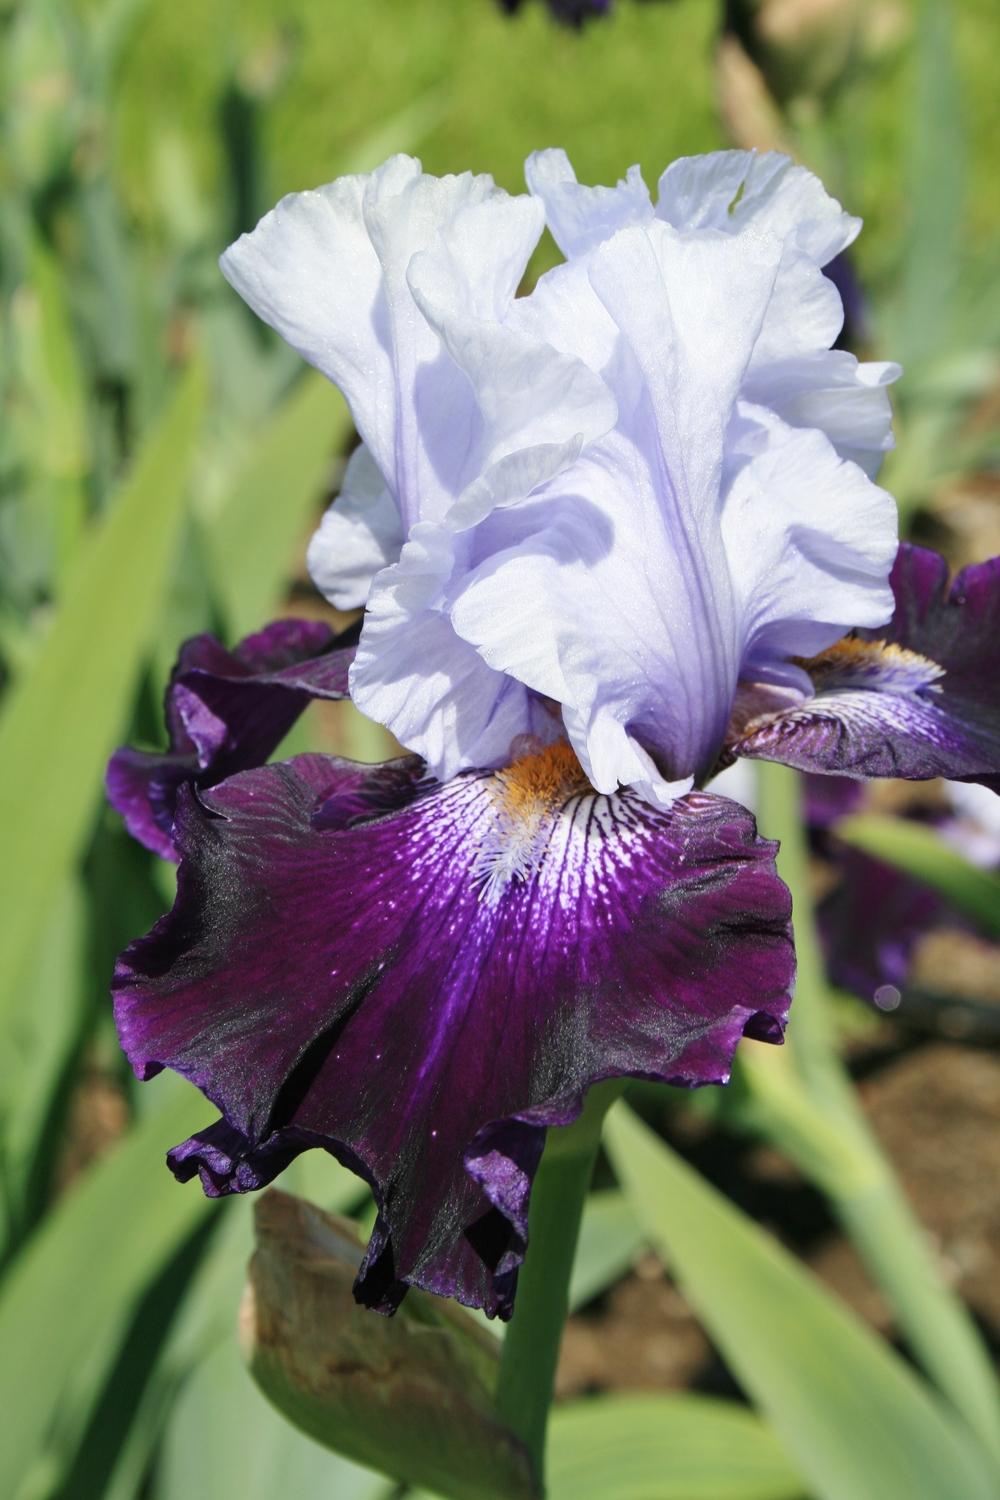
column 916, row 699
column 356, row 987
column 226, row 711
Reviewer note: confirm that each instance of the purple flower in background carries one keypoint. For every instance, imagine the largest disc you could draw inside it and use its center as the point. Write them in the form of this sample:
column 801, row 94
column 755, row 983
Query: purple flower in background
column 225, row 711
column 874, row 919
column 571, row 12
column 609, row 537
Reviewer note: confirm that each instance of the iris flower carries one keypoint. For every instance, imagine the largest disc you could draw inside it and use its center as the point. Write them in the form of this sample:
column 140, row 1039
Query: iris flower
column 609, row 537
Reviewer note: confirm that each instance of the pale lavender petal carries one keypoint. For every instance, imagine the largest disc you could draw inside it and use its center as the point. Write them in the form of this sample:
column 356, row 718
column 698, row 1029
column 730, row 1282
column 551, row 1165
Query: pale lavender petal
column 734, row 191
column 579, row 217
column 328, row 270
column 360, row 534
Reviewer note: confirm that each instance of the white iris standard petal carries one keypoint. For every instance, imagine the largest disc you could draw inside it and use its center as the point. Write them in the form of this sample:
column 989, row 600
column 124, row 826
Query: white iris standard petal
column 412, row 671
column 361, row 533
column 792, row 369
column 734, row 190
column 704, row 536
column 328, row 270
column 396, row 285
column 580, row 217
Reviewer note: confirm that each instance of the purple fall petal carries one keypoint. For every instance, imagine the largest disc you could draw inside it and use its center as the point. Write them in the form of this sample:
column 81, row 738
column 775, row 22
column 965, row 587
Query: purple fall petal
column 226, row 711
column 423, row 993
column 917, row 698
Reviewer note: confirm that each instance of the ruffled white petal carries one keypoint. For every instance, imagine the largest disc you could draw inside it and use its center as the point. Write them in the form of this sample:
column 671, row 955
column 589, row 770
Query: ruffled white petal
column 625, row 581
column 618, row 495
column 700, row 536
column 537, row 407
column 734, row 190
column 809, row 539
column 360, row 533
column 580, row 217
column 328, row 270
column 832, row 391
column 414, row 674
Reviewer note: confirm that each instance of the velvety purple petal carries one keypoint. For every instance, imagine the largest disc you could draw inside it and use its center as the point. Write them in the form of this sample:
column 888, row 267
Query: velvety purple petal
column 425, row 991
column 142, row 786
column 270, row 678
column 917, row 698
column 226, row 711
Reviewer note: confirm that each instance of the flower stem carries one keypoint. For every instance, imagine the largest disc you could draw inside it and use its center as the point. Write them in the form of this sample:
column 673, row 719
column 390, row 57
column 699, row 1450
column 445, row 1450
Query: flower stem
column 531, row 1345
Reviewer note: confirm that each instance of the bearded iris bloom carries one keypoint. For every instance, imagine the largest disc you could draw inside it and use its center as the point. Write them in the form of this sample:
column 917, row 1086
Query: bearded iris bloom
column 609, row 538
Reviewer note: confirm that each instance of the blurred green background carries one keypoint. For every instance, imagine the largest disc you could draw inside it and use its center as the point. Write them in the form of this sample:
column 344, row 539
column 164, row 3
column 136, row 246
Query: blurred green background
column 163, row 458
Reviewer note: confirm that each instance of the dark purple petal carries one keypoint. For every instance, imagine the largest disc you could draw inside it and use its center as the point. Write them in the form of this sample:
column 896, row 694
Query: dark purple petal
column 917, row 698
column 424, row 992
column 226, row 711
column 142, row 786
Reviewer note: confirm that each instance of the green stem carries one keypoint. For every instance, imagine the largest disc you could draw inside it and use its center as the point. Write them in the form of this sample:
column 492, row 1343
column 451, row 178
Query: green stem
column 531, row 1344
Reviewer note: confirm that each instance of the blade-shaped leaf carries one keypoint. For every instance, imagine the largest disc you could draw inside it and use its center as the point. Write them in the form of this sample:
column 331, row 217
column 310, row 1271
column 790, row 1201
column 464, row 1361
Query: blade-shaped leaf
column 46, row 1031
column 252, row 537
column 653, row 1447
column 62, row 719
column 610, row 1238
column 70, row 1297
column 857, row 1421
column 937, row 151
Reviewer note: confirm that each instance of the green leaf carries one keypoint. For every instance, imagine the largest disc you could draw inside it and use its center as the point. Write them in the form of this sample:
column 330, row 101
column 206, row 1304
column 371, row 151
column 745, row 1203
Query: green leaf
column 930, row 281
column 63, row 717
column 921, row 853
column 652, row 1447
column 68, row 1302
column 46, row 1033
column 252, row 537
column 254, row 1453
column 804, row 1101
column 610, row 1238
column 198, row 1381
column 54, row 436
column 854, row 1417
